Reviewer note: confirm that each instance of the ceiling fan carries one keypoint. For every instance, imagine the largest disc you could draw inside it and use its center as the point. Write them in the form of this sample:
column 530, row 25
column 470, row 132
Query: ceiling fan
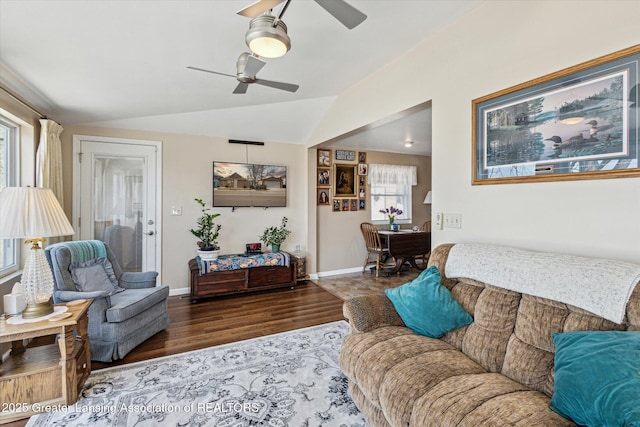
column 267, row 35
column 348, row 15
column 247, row 67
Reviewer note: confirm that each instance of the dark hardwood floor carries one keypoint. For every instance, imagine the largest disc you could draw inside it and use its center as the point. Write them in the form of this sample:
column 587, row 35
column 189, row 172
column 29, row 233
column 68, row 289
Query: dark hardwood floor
column 235, row 318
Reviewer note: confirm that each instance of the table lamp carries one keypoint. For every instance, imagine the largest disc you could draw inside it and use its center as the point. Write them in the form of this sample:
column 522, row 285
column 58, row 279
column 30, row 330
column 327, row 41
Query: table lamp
column 33, row 214
column 427, row 199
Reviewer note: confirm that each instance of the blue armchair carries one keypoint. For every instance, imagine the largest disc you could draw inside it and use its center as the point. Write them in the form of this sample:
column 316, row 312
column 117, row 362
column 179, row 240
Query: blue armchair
column 127, row 309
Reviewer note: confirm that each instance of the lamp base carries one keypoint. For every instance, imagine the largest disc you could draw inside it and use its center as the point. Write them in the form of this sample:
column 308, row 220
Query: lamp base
column 37, row 310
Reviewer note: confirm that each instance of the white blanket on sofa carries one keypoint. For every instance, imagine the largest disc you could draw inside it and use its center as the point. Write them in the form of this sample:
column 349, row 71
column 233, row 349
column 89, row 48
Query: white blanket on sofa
column 600, row 286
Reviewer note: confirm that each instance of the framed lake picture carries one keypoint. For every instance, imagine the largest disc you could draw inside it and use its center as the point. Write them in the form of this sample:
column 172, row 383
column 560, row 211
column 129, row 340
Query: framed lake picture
column 578, row 123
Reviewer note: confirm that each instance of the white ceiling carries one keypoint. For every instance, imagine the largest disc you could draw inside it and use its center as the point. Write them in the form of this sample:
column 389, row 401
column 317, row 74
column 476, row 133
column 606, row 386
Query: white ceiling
column 123, row 64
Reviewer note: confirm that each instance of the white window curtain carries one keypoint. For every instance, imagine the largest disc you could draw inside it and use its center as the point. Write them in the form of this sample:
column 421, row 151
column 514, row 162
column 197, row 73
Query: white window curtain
column 49, row 163
column 49, row 158
column 393, row 175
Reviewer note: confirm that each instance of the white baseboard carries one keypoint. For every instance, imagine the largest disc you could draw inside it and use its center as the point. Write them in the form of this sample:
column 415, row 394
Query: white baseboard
column 336, row 272
column 179, row 291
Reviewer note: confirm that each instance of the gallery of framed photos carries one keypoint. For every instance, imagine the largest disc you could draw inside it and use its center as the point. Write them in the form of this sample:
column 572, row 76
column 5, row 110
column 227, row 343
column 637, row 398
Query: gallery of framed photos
column 341, row 179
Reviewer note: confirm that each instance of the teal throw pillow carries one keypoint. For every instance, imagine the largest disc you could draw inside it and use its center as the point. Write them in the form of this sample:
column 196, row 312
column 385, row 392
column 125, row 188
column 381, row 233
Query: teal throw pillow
column 427, row 307
column 597, row 378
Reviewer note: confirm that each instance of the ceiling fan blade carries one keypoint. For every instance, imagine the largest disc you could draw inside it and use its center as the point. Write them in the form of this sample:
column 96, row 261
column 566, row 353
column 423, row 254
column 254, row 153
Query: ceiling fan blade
column 348, row 15
column 289, row 87
column 241, row 88
column 253, row 66
column 209, row 71
column 258, row 8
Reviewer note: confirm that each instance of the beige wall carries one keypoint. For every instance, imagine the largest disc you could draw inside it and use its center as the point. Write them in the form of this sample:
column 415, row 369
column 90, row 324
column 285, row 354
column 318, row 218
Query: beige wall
column 340, row 245
column 498, row 45
column 187, row 173
column 187, row 168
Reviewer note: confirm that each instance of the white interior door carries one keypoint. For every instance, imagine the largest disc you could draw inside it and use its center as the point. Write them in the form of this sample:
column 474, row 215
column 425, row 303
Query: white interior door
column 117, row 197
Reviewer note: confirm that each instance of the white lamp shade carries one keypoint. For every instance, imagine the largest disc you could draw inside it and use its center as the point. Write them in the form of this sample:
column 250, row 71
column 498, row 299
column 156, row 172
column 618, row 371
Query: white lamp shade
column 28, row 212
column 427, row 199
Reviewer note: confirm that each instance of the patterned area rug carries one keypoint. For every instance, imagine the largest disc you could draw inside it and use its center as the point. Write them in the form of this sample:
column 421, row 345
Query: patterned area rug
column 287, row 379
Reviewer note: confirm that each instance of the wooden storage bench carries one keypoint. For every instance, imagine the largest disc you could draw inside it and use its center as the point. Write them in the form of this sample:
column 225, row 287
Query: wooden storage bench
column 240, row 280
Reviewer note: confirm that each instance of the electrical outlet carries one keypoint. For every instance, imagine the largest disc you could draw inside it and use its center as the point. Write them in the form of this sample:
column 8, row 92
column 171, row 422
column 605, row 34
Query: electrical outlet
column 439, row 220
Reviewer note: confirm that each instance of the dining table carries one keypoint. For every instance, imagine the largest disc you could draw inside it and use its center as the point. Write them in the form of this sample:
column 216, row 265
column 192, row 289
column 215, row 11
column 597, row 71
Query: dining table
column 405, row 246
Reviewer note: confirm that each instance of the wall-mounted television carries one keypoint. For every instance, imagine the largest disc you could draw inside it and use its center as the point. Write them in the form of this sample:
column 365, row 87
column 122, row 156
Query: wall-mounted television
column 238, row 185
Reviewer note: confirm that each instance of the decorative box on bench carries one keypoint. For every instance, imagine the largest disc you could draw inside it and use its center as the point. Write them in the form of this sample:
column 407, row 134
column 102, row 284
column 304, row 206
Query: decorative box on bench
column 231, row 274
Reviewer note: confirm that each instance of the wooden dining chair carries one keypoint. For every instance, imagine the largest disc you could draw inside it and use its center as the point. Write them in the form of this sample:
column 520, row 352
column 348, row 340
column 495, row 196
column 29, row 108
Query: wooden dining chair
column 426, row 226
column 374, row 246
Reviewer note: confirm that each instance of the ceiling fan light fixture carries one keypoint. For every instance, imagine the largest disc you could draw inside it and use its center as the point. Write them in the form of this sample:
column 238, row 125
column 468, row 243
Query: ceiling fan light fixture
column 265, row 40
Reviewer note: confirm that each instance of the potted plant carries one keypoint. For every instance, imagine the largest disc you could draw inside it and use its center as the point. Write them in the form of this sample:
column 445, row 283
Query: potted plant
column 274, row 236
column 207, row 231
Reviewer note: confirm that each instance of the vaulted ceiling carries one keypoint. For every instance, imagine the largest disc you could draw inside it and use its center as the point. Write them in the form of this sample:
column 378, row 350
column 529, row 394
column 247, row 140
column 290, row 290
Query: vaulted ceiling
column 123, row 64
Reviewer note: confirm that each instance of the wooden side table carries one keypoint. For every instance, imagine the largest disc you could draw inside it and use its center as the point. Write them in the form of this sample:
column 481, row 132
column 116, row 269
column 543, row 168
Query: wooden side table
column 44, row 378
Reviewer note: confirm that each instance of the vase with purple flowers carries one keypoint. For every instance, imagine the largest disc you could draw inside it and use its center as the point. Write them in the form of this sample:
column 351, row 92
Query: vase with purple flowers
column 391, row 213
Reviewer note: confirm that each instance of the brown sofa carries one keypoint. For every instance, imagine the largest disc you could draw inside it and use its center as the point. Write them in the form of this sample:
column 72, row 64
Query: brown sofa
column 497, row 371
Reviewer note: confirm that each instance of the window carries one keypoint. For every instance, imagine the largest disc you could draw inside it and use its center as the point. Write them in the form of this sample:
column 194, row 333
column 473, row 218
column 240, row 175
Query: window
column 384, row 196
column 9, row 137
column 390, row 185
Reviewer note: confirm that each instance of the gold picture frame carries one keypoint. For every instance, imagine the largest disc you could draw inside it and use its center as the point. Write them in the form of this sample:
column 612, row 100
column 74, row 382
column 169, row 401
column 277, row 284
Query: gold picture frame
column 344, row 180
column 578, row 123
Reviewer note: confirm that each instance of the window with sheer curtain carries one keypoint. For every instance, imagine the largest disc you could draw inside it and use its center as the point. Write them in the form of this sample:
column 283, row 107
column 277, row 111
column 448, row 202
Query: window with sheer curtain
column 390, row 185
column 9, row 170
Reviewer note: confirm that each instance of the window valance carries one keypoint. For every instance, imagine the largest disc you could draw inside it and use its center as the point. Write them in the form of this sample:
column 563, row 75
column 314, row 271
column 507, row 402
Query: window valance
column 393, row 174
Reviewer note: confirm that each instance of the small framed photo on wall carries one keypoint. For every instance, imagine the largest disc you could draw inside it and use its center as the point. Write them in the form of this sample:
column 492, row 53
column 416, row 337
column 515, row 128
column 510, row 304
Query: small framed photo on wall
column 362, row 169
column 345, row 205
column 324, row 158
column 362, row 204
column 323, row 197
column 362, row 157
column 324, row 177
column 336, row 205
column 354, row 204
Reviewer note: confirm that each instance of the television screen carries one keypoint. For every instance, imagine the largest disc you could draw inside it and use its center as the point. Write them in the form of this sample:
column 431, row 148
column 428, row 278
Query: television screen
column 244, row 185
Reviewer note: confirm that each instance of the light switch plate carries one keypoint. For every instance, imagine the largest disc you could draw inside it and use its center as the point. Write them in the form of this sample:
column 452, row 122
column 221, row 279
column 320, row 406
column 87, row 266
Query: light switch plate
column 176, row 210
column 453, row 220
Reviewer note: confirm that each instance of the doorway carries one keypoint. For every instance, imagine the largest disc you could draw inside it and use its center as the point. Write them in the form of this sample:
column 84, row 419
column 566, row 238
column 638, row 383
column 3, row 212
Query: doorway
column 117, row 188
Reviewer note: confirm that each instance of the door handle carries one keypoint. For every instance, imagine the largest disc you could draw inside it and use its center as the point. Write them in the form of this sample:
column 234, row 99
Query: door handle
column 150, row 233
